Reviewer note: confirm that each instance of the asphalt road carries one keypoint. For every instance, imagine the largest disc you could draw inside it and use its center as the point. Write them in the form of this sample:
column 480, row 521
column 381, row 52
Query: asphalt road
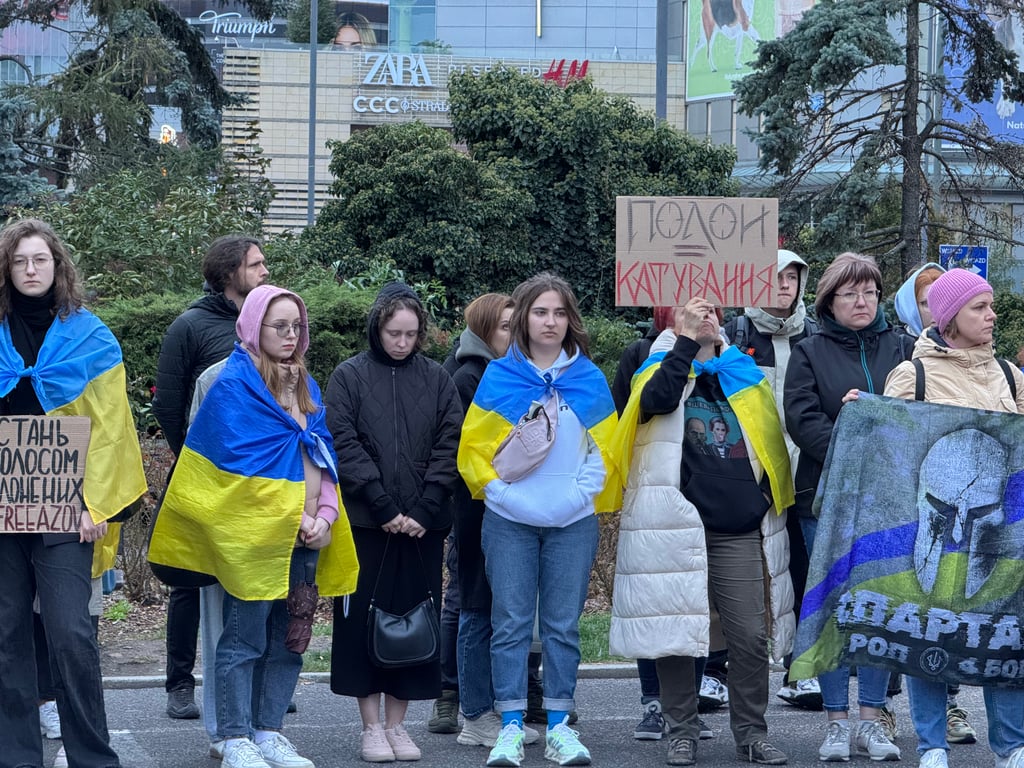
column 326, row 729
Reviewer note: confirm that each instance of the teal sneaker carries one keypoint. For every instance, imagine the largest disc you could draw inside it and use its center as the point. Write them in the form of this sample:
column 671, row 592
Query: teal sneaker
column 508, row 749
column 563, row 746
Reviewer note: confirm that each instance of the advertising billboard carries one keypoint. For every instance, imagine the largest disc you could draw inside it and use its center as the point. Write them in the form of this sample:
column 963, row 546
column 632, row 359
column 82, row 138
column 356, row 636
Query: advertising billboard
column 722, row 35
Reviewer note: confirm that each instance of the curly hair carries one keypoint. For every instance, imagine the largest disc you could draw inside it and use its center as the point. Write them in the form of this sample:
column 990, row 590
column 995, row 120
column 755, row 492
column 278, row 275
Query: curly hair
column 67, row 290
column 225, row 256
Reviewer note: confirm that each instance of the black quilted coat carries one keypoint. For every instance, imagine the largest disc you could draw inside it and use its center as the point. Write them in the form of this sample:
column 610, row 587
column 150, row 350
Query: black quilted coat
column 396, row 426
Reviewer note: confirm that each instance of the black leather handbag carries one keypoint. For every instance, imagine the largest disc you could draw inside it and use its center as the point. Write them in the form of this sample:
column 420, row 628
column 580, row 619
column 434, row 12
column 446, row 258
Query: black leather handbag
column 394, row 641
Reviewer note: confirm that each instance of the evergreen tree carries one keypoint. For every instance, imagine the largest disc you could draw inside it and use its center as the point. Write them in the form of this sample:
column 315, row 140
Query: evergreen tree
column 847, row 101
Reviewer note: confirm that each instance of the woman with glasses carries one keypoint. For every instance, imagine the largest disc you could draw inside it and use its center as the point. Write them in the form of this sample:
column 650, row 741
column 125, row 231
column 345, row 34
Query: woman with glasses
column 58, row 359
column 254, row 501
column 853, row 352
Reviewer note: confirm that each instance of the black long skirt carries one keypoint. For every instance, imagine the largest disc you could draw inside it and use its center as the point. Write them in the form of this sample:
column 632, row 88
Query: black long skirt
column 403, row 584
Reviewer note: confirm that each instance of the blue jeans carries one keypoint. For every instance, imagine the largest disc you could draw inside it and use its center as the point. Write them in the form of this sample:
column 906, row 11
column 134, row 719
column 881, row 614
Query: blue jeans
column 1004, row 706
column 476, row 694
column 256, row 674
column 525, row 562
column 872, row 682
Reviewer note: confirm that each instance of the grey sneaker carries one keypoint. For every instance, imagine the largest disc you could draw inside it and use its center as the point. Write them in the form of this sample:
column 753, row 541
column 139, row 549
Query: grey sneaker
column 445, row 717
column 761, row 752
column 681, row 752
column 49, row 720
column 652, row 727
column 836, row 746
column 181, row 704
column 705, row 729
column 869, row 739
column 958, row 728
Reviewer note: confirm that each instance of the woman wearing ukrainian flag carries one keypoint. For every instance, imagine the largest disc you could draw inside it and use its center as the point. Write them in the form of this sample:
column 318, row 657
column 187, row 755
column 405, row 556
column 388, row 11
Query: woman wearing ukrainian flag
column 58, row 359
column 540, row 532
column 254, row 501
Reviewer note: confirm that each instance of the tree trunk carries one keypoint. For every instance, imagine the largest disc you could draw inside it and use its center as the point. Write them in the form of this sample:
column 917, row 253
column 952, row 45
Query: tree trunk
column 911, row 145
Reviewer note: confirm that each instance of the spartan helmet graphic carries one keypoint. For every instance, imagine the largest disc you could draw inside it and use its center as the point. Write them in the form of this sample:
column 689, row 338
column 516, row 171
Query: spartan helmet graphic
column 960, row 506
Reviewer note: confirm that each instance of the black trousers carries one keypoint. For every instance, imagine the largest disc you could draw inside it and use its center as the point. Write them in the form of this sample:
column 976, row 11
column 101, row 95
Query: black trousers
column 450, row 609
column 182, row 637
column 60, row 575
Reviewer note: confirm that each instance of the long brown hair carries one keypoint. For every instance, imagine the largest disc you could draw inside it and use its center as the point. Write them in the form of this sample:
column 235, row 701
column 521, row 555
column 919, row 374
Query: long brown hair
column 67, row 291
column 527, row 292
column 270, row 370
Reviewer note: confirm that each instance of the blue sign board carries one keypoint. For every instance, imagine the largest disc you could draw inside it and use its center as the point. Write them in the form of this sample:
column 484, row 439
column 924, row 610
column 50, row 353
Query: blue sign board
column 973, row 258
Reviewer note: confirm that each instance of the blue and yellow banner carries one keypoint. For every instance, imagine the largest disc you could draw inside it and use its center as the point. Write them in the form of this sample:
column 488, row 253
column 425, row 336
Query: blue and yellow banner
column 79, row 372
column 918, row 561
column 508, row 387
column 751, row 399
column 235, row 500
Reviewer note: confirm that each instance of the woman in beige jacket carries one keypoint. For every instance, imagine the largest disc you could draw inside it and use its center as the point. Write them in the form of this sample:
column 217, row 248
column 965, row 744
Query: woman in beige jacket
column 953, row 364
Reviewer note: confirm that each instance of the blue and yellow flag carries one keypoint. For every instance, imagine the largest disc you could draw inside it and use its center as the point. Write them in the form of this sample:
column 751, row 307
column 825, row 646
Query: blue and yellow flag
column 80, row 372
column 235, row 500
column 918, row 560
column 506, row 390
column 751, row 399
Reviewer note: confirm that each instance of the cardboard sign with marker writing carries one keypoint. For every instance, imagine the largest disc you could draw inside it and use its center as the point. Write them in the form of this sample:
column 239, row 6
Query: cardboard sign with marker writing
column 670, row 249
column 42, row 471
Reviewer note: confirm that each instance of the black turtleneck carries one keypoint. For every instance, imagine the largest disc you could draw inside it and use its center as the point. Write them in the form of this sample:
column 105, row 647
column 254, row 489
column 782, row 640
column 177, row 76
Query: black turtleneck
column 30, row 318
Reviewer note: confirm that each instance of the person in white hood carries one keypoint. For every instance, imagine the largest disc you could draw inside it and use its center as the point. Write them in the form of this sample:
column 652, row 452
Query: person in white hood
column 768, row 334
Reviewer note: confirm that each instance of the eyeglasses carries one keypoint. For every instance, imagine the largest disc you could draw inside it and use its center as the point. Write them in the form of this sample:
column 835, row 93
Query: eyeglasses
column 20, row 263
column 283, row 329
column 850, row 297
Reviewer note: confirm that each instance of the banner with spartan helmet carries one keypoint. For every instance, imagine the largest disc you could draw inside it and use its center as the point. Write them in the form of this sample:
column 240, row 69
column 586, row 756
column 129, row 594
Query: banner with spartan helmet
column 918, row 561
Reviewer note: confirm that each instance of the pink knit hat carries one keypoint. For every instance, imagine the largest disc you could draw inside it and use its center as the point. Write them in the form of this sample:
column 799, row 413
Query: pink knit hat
column 951, row 292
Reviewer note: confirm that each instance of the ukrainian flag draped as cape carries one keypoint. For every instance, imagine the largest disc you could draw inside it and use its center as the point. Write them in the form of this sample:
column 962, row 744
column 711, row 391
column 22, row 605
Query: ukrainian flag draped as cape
column 751, row 399
column 80, row 372
column 508, row 386
column 235, row 500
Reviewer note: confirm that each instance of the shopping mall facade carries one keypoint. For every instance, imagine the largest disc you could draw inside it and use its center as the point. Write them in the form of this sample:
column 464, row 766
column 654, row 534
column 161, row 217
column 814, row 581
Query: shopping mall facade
column 409, row 50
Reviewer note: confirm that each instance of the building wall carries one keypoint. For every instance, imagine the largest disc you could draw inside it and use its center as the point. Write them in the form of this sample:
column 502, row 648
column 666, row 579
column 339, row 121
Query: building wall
column 361, row 90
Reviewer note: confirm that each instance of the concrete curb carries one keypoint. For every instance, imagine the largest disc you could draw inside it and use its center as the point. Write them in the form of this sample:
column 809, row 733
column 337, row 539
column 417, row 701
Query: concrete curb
column 587, row 671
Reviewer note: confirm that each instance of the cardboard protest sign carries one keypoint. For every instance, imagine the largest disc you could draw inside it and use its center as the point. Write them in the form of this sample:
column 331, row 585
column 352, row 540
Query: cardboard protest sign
column 670, row 249
column 42, row 471
column 918, row 562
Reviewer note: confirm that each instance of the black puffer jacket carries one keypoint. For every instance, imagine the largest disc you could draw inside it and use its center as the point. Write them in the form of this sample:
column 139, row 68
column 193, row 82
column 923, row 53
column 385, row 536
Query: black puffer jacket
column 202, row 335
column 396, row 426
column 468, row 365
column 822, row 369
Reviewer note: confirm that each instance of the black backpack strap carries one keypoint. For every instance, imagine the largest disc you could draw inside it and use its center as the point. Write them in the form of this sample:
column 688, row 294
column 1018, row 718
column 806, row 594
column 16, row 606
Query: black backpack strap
column 919, row 383
column 742, row 332
column 1008, row 373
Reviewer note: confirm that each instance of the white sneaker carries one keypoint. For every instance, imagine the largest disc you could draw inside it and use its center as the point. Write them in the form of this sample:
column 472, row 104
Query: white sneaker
column 869, row 739
column 933, row 758
column 1013, row 760
column 242, row 753
column 713, row 694
column 836, row 746
column 49, row 720
column 483, row 732
column 508, row 751
column 278, row 752
column 61, row 760
column 805, row 694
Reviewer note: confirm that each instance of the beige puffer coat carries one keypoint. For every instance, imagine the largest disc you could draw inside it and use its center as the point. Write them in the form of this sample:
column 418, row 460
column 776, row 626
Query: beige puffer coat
column 969, row 378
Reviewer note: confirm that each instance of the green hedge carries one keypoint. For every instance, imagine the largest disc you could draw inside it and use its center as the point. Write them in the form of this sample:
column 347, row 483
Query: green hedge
column 337, row 330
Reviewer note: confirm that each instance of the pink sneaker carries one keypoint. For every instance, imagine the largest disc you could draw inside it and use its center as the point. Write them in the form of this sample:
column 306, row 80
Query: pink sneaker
column 375, row 746
column 402, row 744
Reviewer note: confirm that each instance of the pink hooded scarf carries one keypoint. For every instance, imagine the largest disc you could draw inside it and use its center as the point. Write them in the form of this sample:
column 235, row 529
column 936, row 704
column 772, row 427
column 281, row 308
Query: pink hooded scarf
column 250, row 319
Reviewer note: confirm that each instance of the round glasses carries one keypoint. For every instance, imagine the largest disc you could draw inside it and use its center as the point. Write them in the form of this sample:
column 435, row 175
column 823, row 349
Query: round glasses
column 283, row 329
